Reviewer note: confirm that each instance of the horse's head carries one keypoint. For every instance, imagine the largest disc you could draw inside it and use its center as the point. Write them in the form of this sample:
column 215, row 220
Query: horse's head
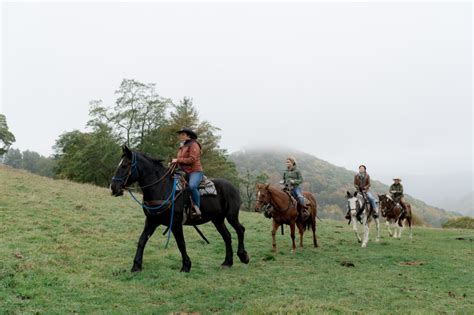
column 126, row 172
column 263, row 197
column 352, row 201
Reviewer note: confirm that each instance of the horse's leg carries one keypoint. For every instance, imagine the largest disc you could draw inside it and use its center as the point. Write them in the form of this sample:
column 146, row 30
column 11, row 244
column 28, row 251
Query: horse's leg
column 224, row 232
column 240, row 230
column 275, row 226
column 301, row 231
column 292, row 230
column 179, row 237
column 400, row 229
column 387, row 223
column 150, row 227
column 354, row 226
column 365, row 224
column 377, row 226
column 313, row 228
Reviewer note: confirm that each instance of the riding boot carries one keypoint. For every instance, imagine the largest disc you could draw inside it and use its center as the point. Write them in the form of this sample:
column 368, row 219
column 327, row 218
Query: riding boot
column 304, row 211
column 195, row 212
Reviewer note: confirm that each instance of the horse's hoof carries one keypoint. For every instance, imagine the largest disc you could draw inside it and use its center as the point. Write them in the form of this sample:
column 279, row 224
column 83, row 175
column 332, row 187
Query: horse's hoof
column 136, row 269
column 244, row 257
column 377, row 240
column 226, row 265
column 364, row 245
column 185, row 269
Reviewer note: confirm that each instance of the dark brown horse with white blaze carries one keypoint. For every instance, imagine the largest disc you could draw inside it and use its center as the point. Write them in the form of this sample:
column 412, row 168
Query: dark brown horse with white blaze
column 391, row 211
column 158, row 185
column 285, row 212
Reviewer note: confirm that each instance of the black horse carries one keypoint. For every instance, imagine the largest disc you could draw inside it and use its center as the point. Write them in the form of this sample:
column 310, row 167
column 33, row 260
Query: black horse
column 156, row 182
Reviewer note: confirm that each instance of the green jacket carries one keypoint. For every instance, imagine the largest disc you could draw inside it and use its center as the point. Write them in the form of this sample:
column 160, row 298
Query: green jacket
column 294, row 175
column 396, row 190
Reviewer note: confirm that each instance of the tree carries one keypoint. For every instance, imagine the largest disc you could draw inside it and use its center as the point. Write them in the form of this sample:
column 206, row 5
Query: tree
column 13, row 158
column 214, row 159
column 248, row 184
column 87, row 157
column 138, row 111
column 6, row 137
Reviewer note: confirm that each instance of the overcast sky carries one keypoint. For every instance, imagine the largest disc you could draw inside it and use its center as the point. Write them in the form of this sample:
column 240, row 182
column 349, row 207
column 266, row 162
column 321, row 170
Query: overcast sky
column 388, row 85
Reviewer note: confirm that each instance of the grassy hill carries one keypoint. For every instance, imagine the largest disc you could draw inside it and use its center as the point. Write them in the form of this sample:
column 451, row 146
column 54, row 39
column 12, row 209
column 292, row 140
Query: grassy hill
column 327, row 181
column 68, row 248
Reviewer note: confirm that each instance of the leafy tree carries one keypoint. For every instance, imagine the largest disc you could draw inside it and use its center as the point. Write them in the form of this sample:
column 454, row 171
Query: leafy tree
column 138, row 111
column 6, row 137
column 164, row 142
column 13, row 158
column 30, row 161
column 87, row 157
column 248, row 183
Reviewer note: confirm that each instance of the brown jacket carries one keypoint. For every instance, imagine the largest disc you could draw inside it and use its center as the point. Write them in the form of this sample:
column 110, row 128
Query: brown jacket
column 189, row 157
column 359, row 184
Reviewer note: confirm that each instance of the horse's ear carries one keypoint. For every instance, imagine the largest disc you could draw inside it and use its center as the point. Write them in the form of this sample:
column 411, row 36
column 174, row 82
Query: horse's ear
column 355, row 193
column 348, row 194
column 267, row 185
column 126, row 151
column 258, row 185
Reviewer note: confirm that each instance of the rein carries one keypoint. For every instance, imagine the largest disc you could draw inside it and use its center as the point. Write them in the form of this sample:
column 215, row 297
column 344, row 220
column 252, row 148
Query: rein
column 154, row 210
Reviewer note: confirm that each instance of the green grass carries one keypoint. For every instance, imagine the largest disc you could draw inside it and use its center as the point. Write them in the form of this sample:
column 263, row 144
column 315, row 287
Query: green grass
column 68, row 248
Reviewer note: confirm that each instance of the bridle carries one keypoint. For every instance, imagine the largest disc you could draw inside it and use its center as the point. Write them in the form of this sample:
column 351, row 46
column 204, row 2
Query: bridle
column 133, row 168
column 357, row 203
column 267, row 204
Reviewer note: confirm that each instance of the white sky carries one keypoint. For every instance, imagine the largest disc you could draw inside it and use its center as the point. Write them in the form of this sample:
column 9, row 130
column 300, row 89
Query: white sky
column 384, row 84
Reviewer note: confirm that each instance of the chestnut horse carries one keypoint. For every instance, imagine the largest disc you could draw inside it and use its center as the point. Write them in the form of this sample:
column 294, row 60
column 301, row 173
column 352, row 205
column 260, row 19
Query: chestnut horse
column 285, row 212
column 391, row 211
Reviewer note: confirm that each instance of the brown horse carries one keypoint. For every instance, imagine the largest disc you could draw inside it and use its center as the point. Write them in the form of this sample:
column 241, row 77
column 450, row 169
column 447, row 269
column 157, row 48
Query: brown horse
column 285, row 212
column 391, row 211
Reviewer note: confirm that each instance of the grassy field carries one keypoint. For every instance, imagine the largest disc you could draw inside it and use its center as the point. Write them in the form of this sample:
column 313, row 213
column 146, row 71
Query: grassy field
column 68, row 248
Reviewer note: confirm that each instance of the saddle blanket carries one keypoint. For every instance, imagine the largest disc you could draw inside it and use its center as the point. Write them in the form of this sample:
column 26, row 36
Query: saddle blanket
column 206, row 187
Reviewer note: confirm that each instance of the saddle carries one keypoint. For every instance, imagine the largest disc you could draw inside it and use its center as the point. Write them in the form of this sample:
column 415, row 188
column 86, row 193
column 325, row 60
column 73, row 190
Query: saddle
column 206, row 186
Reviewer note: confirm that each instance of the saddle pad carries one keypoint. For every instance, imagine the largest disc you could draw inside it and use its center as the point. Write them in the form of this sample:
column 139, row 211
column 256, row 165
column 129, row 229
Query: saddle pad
column 206, row 187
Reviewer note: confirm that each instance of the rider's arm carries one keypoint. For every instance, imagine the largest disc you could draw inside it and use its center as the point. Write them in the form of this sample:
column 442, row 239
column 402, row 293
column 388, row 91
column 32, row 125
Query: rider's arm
column 299, row 178
column 366, row 188
column 194, row 155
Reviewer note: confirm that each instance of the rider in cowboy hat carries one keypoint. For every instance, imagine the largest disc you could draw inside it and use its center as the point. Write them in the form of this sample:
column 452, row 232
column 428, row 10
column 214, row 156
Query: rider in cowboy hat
column 189, row 160
column 292, row 178
column 396, row 191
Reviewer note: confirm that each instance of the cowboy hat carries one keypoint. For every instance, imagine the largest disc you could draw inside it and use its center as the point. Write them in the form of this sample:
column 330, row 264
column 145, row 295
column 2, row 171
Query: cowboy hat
column 397, row 178
column 189, row 132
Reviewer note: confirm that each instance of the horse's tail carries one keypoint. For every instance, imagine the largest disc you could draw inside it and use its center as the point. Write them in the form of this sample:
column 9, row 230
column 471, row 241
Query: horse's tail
column 311, row 221
column 409, row 215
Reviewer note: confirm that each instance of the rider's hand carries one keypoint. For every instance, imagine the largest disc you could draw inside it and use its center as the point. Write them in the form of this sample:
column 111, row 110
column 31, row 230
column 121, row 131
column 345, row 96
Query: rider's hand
column 292, row 181
column 174, row 161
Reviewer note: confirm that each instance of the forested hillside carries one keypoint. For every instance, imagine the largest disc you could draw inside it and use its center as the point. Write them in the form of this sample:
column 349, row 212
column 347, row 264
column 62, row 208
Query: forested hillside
column 327, row 181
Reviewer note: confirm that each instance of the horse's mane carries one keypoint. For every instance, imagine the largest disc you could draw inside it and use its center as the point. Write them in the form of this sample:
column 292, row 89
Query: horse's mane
column 158, row 162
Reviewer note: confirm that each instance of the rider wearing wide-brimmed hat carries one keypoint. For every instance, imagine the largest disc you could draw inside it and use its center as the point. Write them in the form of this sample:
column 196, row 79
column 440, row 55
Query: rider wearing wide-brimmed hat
column 189, row 160
column 292, row 178
column 396, row 191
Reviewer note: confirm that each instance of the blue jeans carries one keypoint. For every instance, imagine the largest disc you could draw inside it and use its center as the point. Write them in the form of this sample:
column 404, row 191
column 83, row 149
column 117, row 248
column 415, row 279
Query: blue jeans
column 371, row 200
column 193, row 185
column 298, row 195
